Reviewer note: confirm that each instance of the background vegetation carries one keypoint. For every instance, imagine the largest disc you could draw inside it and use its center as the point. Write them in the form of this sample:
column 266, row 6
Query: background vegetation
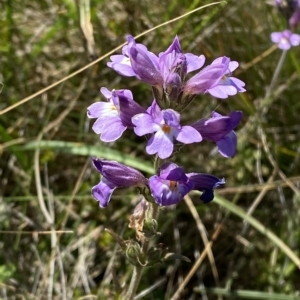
column 46, row 144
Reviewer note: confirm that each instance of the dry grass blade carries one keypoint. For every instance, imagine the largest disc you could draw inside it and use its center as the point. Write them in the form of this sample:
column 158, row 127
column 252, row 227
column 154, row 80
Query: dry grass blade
column 202, row 231
column 86, row 25
column 197, row 264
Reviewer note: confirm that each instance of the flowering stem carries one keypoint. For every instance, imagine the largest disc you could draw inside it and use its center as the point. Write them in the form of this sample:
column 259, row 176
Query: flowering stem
column 135, row 280
column 267, row 101
column 276, row 73
column 138, row 270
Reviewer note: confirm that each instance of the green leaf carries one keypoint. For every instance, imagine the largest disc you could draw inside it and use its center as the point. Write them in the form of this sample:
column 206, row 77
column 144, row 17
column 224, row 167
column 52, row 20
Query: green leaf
column 86, row 150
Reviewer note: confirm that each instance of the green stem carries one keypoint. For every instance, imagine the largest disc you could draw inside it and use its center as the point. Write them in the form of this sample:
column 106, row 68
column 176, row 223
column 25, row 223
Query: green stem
column 276, row 73
column 135, row 281
column 138, row 270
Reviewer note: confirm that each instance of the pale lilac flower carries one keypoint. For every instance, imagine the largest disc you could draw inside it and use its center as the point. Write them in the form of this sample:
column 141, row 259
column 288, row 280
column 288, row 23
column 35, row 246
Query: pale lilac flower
column 207, row 78
column 227, row 85
column 113, row 116
column 121, row 62
column 285, row 39
column 166, row 128
column 220, row 130
column 172, row 184
column 114, row 175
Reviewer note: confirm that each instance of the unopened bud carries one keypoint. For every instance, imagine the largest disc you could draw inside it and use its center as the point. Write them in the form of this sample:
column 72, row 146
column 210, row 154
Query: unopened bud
column 150, row 227
column 134, row 254
column 156, row 254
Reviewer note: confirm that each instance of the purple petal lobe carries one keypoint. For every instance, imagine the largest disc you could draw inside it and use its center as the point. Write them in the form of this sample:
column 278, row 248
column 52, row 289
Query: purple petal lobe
column 227, row 145
column 110, row 129
column 102, row 192
column 143, row 124
column 188, row 135
column 194, row 62
column 161, row 144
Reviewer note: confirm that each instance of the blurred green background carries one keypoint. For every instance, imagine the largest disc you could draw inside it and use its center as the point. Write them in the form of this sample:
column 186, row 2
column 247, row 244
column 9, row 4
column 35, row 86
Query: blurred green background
column 46, row 144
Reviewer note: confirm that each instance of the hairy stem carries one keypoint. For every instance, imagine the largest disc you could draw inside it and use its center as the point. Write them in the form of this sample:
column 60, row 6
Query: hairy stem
column 135, row 280
column 138, row 270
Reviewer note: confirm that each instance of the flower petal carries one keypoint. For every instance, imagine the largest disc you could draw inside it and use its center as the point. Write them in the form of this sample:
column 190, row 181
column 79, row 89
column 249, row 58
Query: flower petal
column 227, row 145
column 161, row 144
column 188, row 135
column 194, row 62
column 143, row 124
column 103, row 191
column 99, row 109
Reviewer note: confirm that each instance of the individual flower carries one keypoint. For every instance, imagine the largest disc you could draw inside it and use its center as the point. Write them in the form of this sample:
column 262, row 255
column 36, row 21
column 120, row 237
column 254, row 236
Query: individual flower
column 114, row 175
column 227, row 85
column 165, row 124
column 206, row 78
column 113, row 116
column 285, row 39
column 121, row 62
column 172, row 184
column 220, row 130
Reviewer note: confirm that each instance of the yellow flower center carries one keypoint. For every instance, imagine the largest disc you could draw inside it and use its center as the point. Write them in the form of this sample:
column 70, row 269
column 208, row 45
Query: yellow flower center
column 173, row 185
column 166, row 128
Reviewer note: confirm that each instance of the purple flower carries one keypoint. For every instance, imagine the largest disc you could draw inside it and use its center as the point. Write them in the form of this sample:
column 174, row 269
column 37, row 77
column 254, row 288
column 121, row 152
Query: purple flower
column 205, row 79
column 114, row 175
column 121, row 63
column 285, row 39
column 227, row 85
column 144, row 63
column 295, row 18
column 172, row 184
column 206, row 184
column 166, row 127
column 113, row 116
column 220, row 130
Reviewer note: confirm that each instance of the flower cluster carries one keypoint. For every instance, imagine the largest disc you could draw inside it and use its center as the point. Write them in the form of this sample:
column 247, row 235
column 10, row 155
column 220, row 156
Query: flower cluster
column 290, row 9
column 174, row 88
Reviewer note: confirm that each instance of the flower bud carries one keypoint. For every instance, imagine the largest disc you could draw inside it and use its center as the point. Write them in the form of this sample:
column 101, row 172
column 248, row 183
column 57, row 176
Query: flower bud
column 134, row 254
column 156, row 254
